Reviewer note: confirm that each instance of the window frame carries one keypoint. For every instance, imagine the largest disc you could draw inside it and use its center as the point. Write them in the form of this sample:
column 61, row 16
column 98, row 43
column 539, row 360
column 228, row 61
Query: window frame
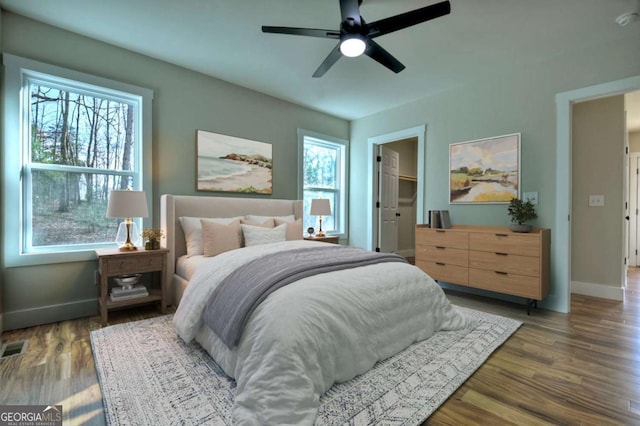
column 342, row 208
column 15, row 112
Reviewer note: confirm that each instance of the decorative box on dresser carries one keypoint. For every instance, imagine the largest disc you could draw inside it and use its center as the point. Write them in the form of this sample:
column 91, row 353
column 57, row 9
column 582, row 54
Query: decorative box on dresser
column 487, row 258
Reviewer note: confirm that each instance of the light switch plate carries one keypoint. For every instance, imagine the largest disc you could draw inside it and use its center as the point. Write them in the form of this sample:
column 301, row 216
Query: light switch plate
column 530, row 196
column 596, row 200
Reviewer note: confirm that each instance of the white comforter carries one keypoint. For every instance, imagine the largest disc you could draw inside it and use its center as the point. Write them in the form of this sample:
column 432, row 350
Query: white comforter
column 313, row 333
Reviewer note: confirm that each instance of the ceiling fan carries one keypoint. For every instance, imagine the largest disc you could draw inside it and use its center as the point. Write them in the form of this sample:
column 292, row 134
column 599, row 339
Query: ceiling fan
column 356, row 36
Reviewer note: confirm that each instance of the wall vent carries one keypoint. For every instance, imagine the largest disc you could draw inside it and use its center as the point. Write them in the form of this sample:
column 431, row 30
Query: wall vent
column 13, row 349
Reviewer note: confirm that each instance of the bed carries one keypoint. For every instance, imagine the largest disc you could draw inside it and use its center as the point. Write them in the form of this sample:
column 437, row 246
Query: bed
column 318, row 330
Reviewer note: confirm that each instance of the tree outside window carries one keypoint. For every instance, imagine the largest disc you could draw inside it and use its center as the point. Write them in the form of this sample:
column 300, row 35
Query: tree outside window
column 324, row 162
column 82, row 146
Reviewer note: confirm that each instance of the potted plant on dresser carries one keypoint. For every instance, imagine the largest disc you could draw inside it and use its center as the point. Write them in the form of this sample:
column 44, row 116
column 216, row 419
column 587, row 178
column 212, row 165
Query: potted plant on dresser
column 521, row 212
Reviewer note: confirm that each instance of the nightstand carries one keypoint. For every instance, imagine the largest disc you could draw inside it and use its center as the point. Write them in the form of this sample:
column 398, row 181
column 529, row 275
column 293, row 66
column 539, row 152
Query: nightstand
column 113, row 263
column 326, row 239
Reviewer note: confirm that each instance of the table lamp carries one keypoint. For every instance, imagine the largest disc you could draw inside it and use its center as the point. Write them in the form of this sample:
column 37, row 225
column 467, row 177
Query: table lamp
column 127, row 204
column 320, row 207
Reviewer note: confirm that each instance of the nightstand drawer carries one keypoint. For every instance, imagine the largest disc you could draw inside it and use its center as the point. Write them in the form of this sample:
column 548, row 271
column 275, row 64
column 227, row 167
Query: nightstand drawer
column 135, row 265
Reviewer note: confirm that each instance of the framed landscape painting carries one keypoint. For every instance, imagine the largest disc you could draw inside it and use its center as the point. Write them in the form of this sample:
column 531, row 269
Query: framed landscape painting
column 485, row 170
column 231, row 164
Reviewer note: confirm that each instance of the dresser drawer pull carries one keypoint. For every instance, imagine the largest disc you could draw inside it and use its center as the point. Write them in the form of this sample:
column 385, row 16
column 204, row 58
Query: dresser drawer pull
column 501, row 273
column 440, row 247
column 502, row 235
column 440, row 230
column 502, row 254
column 440, row 263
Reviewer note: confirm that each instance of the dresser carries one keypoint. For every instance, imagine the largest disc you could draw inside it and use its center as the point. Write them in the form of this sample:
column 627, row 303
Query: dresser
column 487, row 258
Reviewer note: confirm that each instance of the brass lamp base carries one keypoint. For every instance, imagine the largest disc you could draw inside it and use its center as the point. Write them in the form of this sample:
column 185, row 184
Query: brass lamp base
column 128, row 245
column 320, row 233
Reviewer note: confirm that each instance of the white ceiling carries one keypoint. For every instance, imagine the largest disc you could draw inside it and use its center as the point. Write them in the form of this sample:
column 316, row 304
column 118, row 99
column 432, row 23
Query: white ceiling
column 223, row 39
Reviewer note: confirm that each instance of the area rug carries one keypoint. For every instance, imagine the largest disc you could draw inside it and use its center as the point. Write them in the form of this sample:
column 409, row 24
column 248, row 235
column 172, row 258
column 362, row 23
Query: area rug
column 148, row 375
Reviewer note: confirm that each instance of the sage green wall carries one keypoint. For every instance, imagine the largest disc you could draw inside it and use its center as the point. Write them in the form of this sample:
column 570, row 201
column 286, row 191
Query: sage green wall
column 597, row 166
column 520, row 101
column 184, row 101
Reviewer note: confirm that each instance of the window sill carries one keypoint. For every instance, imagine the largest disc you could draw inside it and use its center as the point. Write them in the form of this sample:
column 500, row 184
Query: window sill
column 33, row 259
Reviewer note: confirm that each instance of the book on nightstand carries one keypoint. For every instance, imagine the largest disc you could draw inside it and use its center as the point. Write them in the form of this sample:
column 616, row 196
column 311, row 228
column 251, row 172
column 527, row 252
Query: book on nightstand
column 121, row 293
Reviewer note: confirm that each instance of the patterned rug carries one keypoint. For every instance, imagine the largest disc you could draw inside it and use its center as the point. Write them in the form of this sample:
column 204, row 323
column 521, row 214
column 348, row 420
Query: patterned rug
column 148, row 375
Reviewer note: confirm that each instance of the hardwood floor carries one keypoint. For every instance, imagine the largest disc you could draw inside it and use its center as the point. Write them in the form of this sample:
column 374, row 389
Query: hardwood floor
column 581, row 368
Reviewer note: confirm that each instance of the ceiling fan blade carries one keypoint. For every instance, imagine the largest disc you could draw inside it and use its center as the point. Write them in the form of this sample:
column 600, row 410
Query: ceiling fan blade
column 309, row 32
column 377, row 53
column 350, row 10
column 328, row 62
column 404, row 20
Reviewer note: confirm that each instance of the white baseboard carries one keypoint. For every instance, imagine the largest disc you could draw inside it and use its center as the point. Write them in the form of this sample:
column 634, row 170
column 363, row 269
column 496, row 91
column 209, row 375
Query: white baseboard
column 602, row 291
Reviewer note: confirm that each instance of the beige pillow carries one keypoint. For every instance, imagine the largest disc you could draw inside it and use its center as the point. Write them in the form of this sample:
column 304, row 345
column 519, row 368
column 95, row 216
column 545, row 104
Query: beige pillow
column 193, row 232
column 294, row 229
column 218, row 238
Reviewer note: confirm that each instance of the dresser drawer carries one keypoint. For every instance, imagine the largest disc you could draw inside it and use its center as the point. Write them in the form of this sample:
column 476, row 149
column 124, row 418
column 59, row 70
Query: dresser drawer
column 440, row 254
column 511, row 263
column 525, row 245
column 445, row 272
column 130, row 265
column 442, row 238
column 516, row 285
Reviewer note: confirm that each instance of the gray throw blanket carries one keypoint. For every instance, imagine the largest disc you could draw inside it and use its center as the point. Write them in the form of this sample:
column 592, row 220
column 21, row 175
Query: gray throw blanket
column 237, row 295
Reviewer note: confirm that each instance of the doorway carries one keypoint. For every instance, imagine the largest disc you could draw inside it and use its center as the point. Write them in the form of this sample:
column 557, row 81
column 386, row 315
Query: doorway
column 418, row 135
column 562, row 238
column 397, row 196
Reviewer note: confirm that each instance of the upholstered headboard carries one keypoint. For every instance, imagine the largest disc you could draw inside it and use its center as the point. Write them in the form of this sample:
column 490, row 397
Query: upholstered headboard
column 172, row 207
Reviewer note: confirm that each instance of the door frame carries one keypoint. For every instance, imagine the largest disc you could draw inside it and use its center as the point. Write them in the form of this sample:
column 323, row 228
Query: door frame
column 419, row 132
column 561, row 237
column 634, row 200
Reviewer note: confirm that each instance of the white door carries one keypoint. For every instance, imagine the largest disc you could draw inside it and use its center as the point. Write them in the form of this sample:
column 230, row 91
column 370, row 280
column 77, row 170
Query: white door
column 388, row 199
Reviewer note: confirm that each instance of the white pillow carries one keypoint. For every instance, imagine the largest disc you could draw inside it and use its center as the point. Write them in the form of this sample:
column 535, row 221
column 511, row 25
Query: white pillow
column 256, row 235
column 262, row 219
column 193, row 231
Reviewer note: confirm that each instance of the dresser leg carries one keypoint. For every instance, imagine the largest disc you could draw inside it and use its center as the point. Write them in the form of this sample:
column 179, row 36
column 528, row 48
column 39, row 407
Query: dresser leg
column 530, row 303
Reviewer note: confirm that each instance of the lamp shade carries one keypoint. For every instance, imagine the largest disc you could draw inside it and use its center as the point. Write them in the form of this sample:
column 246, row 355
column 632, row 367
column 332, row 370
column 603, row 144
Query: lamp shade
column 127, row 204
column 320, row 207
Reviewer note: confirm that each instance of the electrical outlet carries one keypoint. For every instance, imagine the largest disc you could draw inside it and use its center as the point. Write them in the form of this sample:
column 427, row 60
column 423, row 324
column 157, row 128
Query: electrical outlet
column 596, row 200
column 530, row 196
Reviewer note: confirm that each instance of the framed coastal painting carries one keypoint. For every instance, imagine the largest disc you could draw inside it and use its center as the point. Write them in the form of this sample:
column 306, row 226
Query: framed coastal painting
column 485, row 170
column 231, row 164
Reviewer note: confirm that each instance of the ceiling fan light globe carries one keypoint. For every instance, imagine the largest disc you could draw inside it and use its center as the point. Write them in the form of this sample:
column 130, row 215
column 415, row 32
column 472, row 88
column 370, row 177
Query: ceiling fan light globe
column 352, row 47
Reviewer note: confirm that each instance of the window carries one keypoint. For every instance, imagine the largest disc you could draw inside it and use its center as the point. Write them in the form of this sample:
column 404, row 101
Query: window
column 76, row 138
column 323, row 174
